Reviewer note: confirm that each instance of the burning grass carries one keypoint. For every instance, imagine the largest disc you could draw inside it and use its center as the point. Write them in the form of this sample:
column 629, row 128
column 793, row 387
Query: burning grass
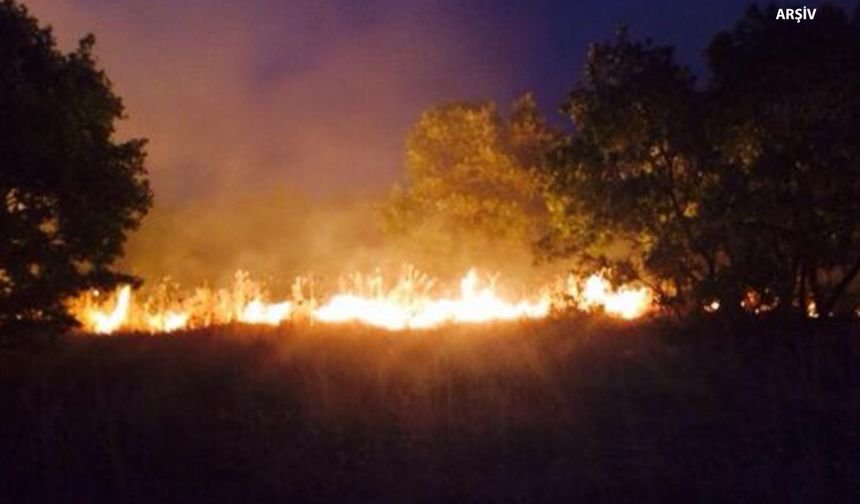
column 543, row 410
column 412, row 301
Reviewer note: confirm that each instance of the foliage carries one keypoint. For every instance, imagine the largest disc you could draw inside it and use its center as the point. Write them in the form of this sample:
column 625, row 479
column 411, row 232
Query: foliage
column 472, row 173
column 70, row 190
column 744, row 191
column 785, row 110
column 629, row 175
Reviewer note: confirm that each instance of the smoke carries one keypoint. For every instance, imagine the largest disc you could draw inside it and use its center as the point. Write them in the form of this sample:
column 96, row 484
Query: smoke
column 309, row 94
column 279, row 234
column 274, row 125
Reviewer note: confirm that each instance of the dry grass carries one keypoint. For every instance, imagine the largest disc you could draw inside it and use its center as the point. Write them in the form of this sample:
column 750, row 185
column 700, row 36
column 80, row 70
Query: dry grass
column 542, row 411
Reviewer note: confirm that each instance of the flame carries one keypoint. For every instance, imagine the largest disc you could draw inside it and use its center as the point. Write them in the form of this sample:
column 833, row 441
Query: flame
column 108, row 322
column 168, row 321
column 474, row 305
column 258, row 312
column 625, row 302
column 408, row 304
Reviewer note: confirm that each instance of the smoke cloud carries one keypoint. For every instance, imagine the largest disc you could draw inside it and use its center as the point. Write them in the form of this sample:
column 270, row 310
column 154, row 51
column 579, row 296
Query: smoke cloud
column 273, row 125
column 314, row 95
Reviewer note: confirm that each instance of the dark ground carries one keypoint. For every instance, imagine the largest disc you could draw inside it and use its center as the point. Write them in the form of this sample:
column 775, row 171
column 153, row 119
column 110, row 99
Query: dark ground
column 581, row 410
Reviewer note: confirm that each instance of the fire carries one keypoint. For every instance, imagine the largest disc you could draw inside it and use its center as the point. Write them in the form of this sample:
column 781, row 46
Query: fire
column 258, row 312
column 168, row 321
column 363, row 299
column 626, row 302
column 108, row 322
column 472, row 306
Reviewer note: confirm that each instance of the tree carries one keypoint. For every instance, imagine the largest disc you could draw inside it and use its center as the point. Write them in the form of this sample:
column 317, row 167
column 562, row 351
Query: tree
column 70, row 190
column 744, row 191
column 474, row 180
column 785, row 115
column 628, row 186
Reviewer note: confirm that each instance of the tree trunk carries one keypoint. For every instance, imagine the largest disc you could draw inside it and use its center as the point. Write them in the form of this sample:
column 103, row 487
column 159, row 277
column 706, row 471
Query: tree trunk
column 802, row 294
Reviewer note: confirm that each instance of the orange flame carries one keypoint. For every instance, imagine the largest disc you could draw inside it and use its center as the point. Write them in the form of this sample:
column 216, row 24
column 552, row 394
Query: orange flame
column 409, row 304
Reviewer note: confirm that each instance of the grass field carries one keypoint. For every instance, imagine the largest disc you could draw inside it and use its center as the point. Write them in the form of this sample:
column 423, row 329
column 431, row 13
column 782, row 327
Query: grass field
column 582, row 409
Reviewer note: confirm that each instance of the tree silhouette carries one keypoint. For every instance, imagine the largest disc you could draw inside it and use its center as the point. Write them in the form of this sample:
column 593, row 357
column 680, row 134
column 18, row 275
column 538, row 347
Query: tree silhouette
column 628, row 186
column 743, row 191
column 785, row 115
column 70, row 190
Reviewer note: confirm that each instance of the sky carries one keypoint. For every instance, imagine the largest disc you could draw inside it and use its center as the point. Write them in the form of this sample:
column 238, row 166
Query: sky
column 319, row 95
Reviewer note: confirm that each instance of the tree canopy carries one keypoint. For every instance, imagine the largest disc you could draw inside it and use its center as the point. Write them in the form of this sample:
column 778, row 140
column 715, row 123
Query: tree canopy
column 473, row 176
column 742, row 191
column 71, row 191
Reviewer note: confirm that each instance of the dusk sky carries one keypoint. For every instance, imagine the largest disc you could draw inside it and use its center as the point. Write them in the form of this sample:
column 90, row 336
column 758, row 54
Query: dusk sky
column 319, row 95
